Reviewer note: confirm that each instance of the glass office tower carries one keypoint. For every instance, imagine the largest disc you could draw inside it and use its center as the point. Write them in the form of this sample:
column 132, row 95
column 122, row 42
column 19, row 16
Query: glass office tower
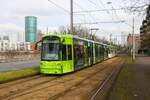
column 30, row 29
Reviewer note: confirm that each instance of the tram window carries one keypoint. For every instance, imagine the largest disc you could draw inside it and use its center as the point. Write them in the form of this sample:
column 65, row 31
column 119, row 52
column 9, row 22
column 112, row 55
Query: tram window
column 99, row 53
column 69, row 52
column 96, row 50
column 89, row 52
column 102, row 51
column 64, row 52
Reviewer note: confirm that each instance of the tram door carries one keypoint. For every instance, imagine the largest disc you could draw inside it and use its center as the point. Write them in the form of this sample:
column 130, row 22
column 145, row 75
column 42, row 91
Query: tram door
column 102, row 52
column 78, row 54
column 85, row 54
column 67, row 57
column 90, row 53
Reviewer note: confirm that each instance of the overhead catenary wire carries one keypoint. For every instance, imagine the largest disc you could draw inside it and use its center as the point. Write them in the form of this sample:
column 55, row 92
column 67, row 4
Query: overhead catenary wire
column 81, row 8
column 120, row 21
column 77, row 5
column 110, row 3
column 92, row 2
column 100, row 7
column 107, row 10
column 98, row 23
column 84, row 9
column 98, row 10
column 65, row 10
column 112, row 9
column 89, row 15
column 89, row 12
column 104, row 6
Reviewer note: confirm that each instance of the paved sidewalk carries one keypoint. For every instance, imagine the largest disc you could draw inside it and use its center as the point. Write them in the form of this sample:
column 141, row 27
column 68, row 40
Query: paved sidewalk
column 19, row 65
column 141, row 75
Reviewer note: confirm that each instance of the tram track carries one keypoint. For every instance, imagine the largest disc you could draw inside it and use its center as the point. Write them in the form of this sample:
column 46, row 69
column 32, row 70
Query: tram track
column 104, row 87
column 18, row 81
column 76, row 85
column 67, row 82
column 53, row 82
column 20, row 87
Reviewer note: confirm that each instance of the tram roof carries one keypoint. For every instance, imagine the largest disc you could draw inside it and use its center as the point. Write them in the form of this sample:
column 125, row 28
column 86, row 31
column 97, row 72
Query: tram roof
column 73, row 36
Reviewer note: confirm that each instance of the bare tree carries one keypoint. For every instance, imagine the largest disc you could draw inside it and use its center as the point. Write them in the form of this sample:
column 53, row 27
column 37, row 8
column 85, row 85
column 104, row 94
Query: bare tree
column 82, row 32
column 136, row 6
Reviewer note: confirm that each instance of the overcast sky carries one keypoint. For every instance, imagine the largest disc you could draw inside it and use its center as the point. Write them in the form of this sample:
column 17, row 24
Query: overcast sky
column 13, row 13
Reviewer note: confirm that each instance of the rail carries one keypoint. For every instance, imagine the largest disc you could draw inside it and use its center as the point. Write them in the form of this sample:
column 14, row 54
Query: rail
column 111, row 77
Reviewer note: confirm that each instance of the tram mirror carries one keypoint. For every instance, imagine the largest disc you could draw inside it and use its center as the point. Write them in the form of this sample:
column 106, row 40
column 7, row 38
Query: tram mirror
column 63, row 40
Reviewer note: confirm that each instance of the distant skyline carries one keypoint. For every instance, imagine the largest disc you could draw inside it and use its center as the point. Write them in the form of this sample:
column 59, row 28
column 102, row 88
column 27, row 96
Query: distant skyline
column 13, row 12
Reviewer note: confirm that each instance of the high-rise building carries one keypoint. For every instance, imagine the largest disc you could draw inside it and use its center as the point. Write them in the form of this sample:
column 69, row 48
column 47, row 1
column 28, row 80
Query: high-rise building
column 30, row 29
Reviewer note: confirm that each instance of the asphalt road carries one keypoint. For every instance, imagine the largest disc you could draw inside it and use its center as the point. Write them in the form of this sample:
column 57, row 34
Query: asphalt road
column 19, row 65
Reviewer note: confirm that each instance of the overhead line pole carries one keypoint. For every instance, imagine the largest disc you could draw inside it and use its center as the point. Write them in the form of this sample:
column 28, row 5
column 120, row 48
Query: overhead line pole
column 133, row 41
column 71, row 16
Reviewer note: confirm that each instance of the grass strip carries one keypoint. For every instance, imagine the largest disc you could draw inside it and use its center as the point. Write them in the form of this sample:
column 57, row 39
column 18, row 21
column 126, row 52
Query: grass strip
column 12, row 75
column 121, row 88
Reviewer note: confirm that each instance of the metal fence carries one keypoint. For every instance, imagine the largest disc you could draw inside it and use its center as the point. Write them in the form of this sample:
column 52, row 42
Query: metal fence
column 13, row 56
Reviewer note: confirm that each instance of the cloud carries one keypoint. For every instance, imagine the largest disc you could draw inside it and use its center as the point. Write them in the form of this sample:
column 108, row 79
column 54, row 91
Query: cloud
column 13, row 13
column 49, row 29
column 29, row 7
column 16, row 33
column 10, row 28
column 18, row 9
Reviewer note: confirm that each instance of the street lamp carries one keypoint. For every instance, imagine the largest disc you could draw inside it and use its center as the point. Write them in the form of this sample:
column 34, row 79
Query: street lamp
column 133, row 41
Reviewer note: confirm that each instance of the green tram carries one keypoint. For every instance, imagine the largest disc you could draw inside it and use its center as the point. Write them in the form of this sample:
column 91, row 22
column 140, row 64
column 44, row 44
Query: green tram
column 66, row 53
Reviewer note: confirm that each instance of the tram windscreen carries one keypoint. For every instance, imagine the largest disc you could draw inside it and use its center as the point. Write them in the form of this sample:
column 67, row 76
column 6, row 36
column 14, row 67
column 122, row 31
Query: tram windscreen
column 50, row 48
